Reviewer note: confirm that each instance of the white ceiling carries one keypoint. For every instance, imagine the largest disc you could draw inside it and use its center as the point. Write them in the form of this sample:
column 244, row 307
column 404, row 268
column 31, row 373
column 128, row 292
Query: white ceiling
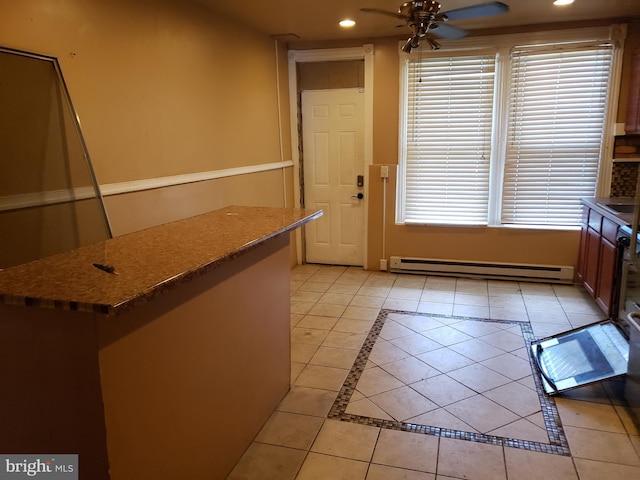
column 313, row 20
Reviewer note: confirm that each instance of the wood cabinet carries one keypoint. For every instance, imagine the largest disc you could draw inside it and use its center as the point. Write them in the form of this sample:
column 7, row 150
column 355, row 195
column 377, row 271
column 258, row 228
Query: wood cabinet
column 632, row 123
column 607, row 275
column 581, row 270
column 597, row 263
column 592, row 262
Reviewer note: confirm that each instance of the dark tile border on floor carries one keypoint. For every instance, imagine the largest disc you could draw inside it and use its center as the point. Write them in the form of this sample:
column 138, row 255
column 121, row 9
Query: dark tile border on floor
column 557, row 445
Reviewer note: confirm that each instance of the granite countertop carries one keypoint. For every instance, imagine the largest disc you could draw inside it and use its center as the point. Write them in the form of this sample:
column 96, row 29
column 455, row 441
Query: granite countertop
column 598, row 204
column 146, row 262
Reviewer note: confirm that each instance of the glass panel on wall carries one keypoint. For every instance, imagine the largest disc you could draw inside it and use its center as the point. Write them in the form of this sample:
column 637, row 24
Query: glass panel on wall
column 49, row 199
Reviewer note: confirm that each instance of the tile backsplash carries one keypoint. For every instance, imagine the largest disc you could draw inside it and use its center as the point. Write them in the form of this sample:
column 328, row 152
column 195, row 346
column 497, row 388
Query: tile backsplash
column 623, row 179
column 625, row 174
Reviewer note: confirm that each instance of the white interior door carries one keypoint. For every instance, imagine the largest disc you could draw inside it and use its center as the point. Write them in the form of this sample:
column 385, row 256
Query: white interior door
column 333, row 162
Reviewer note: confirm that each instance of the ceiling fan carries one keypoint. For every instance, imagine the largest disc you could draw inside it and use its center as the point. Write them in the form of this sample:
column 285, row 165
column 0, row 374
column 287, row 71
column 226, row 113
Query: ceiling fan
column 424, row 16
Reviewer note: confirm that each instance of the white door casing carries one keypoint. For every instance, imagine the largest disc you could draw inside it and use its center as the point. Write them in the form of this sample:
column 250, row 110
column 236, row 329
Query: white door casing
column 333, row 162
column 366, row 53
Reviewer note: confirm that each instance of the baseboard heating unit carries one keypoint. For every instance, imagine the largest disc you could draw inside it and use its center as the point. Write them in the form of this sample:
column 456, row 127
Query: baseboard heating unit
column 500, row 271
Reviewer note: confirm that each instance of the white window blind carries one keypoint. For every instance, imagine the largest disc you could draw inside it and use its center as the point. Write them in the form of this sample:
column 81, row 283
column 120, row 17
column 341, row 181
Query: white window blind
column 556, row 118
column 448, row 139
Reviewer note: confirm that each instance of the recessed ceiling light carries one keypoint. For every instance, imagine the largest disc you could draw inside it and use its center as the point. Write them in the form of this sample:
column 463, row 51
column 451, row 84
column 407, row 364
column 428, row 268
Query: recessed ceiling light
column 562, row 2
column 346, row 23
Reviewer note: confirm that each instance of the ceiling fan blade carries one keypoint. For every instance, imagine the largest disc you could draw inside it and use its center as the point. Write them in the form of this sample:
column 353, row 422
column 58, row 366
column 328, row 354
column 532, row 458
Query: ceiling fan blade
column 384, row 12
column 447, row 31
column 475, row 11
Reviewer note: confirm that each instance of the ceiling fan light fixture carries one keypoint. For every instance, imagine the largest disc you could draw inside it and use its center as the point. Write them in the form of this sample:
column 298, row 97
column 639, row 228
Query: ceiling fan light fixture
column 346, row 23
column 408, row 46
column 561, row 3
column 434, row 45
column 423, row 16
column 411, row 43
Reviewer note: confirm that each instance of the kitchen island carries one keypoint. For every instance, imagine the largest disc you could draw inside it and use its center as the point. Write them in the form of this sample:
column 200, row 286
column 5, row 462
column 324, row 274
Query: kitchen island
column 157, row 354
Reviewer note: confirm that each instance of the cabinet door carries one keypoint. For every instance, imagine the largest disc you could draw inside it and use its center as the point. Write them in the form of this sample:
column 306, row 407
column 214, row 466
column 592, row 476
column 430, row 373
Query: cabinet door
column 592, row 260
column 582, row 256
column 604, row 296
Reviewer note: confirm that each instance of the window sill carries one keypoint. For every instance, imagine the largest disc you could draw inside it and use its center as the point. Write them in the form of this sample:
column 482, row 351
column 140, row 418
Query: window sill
column 567, row 228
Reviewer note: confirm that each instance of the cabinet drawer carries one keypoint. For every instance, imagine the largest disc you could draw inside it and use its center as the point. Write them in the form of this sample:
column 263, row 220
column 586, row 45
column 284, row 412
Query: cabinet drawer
column 595, row 221
column 585, row 215
column 609, row 230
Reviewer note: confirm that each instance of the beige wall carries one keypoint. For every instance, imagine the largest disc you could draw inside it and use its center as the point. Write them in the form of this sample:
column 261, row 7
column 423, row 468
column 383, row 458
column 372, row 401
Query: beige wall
column 163, row 205
column 163, row 88
column 632, row 44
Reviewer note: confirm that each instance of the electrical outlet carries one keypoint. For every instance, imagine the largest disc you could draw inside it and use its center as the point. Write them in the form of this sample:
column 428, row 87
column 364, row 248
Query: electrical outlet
column 383, row 264
column 384, row 171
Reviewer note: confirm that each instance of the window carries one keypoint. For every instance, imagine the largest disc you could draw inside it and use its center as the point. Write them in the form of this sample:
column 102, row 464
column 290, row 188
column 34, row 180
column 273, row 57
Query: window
column 449, row 117
column 557, row 111
column 509, row 136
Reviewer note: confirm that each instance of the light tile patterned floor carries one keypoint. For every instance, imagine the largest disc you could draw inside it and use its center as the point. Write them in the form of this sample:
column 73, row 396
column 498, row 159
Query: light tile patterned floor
column 446, row 379
column 424, row 373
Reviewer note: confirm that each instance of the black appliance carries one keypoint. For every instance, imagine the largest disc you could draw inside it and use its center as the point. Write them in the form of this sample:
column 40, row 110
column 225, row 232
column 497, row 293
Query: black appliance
column 598, row 351
column 629, row 268
column 632, row 381
column 629, row 315
column 581, row 356
column 602, row 350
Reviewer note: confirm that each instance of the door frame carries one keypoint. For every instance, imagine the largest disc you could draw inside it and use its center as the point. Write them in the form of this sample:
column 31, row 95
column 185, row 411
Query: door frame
column 326, row 55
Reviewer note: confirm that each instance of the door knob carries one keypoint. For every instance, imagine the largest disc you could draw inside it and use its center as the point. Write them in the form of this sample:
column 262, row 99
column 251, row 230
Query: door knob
column 359, row 196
